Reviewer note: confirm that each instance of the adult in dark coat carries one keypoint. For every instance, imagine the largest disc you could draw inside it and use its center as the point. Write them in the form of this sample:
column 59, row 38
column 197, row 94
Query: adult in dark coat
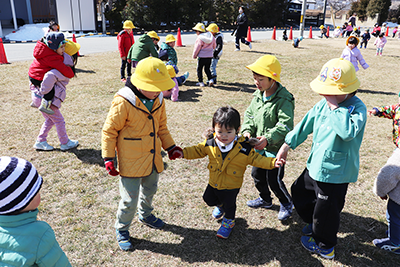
column 352, row 20
column 241, row 31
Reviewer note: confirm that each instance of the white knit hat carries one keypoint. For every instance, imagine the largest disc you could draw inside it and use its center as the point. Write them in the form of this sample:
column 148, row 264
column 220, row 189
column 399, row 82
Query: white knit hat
column 19, row 184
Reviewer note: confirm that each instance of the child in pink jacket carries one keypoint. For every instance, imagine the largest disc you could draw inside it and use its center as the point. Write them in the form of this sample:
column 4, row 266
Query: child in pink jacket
column 203, row 51
column 174, row 92
column 380, row 43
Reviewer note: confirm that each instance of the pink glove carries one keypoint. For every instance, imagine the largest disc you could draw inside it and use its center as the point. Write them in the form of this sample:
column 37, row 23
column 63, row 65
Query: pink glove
column 175, row 153
column 110, row 167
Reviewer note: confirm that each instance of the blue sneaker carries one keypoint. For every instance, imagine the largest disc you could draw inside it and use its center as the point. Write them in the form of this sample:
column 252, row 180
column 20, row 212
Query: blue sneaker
column 386, row 244
column 226, row 228
column 186, row 76
column 259, row 203
column 124, row 240
column 285, row 211
column 309, row 244
column 307, row 230
column 218, row 212
column 152, row 221
column 70, row 145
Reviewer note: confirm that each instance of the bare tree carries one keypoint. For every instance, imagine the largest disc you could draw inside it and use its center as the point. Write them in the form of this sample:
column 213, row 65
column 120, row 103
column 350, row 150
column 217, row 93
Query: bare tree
column 338, row 5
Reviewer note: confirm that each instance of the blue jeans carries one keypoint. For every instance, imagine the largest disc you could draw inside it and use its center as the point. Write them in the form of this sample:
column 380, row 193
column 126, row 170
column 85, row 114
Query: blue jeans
column 213, row 67
column 393, row 218
column 136, row 195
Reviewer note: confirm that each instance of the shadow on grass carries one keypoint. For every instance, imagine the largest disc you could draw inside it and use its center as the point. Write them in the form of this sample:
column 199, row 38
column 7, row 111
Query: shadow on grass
column 191, row 94
column 90, row 156
column 366, row 91
column 259, row 52
column 256, row 247
column 84, row 71
column 236, row 87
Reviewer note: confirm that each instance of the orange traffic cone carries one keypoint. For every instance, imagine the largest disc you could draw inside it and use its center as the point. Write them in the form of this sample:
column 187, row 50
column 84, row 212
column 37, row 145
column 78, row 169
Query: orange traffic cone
column 249, row 35
column 179, row 39
column 291, row 33
column 327, row 32
column 387, row 31
column 274, row 34
column 3, row 58
column 74, row 40
column 310, row 34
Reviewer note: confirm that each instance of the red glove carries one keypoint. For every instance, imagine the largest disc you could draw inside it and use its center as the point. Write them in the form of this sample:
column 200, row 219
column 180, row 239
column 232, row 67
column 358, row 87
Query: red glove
column 175, row 153
column 110, row 167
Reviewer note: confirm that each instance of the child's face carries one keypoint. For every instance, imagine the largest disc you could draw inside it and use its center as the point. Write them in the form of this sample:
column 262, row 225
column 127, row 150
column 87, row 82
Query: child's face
column 33, row 204
column 262, row 82
column 171, row 44
column 155, row 41
column 149, row 95
column 224, row 135
column 197, row 32
column 128, row 30
column 351, row 46
column 61, row 50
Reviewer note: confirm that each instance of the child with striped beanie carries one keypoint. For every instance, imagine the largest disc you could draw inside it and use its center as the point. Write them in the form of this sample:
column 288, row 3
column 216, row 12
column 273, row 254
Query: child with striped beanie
column 24, row 241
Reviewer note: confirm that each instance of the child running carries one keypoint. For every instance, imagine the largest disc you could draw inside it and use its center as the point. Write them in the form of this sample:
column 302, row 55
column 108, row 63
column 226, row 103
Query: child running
column 353, row 54
column 136, row 130
column 387, row 183
column 365, row 39
column 269, row 118
column 203, row 51
column 219, row 40
column 380, row 43
column 228, row 154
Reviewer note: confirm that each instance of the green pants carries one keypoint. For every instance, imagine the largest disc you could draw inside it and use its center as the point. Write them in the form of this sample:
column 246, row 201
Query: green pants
column 136, row 195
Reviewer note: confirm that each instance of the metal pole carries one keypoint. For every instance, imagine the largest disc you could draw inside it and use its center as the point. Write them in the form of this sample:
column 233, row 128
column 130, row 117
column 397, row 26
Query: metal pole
column 103, row 17
column 13, row 14
column 324, row 11
column 302, row 19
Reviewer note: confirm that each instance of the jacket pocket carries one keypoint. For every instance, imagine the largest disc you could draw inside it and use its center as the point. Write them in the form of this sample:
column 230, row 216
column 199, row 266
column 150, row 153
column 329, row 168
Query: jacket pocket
column 334, row 162
column 234, row 177
column 132, row 147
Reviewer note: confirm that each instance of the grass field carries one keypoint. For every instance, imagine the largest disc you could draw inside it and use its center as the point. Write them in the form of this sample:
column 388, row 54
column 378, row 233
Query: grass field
column 79, row 199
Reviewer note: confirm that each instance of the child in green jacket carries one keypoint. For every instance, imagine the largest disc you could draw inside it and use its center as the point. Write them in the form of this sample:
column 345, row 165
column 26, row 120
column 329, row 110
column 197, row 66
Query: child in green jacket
column 269, row 118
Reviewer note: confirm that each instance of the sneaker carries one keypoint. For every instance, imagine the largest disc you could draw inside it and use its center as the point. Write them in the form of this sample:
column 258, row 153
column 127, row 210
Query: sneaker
column 386, row 244
column 307, row 230
column 186, row 76
column 123, row 80
column 124, row 240
column 309, row 244
column 285, row 211
column 33, row 105
column 250, row 46
column 259, row 203
column 226, row 228
column 201, row 84
column 152, row 221
column 237, row 49
column 71, row 144
column 43, row 146
column 45, row 107
column 218, row 212
column 211, row 83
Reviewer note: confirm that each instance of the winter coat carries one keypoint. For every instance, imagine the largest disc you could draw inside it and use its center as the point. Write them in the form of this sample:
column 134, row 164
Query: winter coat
column 143, row 48
column 272, row 119
column 25, row 241
column 380, row 42
column 219, row 41
column 228, row 173
column 125, row 41
column 241, row 30
column 172, row 57
column 337, row 136
column 388, row 180
column 136, row 134
column 354, row 56
column 366, row 37
column 47, row 59
column 391, row 112
column 54, row 78
column 204, row 45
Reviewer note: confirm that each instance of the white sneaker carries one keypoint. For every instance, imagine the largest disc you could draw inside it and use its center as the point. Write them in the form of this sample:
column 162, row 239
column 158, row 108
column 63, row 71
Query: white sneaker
column 43, row 146
column 211, row 83
column 186, row 75
column 250, row 46
column 237, row 49
column 71, row 144
column 200, row 84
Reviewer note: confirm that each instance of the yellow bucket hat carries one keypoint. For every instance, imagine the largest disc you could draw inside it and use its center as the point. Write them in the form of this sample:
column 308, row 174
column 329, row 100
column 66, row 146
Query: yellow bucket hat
column 268, row 66
column 171, row 71
column 154, row 35
column 169, row 38
column 199, row 27
column 321, row 27
column 152, row 75
column 337, row 77
column 71, row 48
column 128, row 25
column 213, row 28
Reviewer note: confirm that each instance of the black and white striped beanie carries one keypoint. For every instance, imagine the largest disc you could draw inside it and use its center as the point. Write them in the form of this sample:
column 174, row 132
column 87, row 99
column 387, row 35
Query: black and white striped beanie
column 19, row 184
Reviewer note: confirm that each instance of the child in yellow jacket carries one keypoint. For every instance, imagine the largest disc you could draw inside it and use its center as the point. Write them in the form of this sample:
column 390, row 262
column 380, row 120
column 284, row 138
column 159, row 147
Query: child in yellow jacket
column 228, row 154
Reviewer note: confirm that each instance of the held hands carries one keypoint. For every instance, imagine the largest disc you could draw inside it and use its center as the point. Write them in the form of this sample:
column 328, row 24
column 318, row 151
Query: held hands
column 175, row 153
column 282, row 155
column 109, row 163
column 371, row 112
column 262, row 143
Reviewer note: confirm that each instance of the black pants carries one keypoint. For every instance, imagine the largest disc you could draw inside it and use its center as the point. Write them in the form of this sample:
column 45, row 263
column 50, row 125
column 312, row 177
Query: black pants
column 242, row 39
column 226, row 198
column 203, row 63
column 266, row 179
column 365, row 44
column 128, row 66
column 320, row 204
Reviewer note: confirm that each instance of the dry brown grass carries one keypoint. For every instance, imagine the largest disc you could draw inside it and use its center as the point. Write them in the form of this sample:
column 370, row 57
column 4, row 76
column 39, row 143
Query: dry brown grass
column 79, row 199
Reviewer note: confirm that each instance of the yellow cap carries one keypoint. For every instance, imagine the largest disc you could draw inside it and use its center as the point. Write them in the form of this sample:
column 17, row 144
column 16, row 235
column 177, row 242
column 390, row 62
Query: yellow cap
column 268, row 66
column 171, row 71
column 154, row 35
column 169, row 38
column 213, row 28
column 71, row 48
column 337, row 77
column 322, row 26
column 199, row 27
column 152, row 75
column 128, row 25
